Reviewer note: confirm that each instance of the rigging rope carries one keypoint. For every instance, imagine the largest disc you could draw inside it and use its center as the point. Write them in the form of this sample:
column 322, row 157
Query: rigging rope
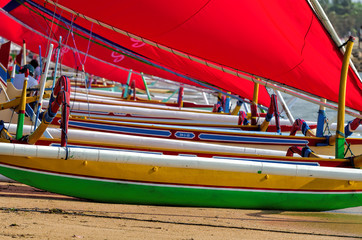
column 131, row 55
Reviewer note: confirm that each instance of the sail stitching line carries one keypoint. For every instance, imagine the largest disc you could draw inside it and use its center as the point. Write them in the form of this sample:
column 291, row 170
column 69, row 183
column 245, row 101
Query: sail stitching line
column 186, row 20
column 302, row 49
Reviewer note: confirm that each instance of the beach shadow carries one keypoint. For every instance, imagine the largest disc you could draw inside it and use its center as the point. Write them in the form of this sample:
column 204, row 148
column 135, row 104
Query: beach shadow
column 23, row 191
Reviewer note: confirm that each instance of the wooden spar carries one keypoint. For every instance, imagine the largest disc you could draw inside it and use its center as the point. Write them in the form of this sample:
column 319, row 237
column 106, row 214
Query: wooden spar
column 254, row 105
column 43, row 80
column 342, row 100
column 205, row 98
column 237, row 108
column 15, row 102
column 56, row 62
column 125, row 94
column 40, row 61
column 23, row 60
column 146, row 87
column 180, row 102
column 21, row 115
column 167, row 99
column 285, row 107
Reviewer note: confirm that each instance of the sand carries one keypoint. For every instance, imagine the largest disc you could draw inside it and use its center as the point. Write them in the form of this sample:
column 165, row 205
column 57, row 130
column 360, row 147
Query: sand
column 29, row 213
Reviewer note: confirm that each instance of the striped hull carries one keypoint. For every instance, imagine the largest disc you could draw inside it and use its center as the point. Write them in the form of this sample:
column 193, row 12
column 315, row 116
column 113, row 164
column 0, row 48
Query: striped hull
column 237, row 138
column 128, row 192
column 124, row 181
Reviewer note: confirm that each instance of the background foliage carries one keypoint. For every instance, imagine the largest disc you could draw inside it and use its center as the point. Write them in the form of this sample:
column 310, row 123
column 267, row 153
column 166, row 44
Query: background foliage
column 345, row 16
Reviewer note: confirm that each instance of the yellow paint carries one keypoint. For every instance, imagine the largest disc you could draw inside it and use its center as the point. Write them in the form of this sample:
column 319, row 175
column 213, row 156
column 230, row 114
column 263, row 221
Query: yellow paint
column 342, row 101
column 255, row 104
column 236, row 110
column 357, row 161
column 256, row 93
column 34, row 137
column 138, row 172
column 264, row 126
column 16, row 102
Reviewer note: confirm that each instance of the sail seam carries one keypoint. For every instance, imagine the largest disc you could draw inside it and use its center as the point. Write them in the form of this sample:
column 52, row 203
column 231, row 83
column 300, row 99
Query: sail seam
column 302, row 49
column 186, row 20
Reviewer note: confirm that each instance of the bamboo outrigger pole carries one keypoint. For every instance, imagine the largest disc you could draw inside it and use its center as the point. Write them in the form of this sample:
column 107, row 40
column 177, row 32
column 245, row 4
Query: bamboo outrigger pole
column 21, row 114
column 146, row 87
column 342, row 100
column 23, row 60
column 43, row 80
column 254, row 105
column 125, row 93
column 56, row 61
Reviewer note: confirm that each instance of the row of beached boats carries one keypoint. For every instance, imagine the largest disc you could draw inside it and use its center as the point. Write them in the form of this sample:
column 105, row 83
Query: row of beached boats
column 122, row 147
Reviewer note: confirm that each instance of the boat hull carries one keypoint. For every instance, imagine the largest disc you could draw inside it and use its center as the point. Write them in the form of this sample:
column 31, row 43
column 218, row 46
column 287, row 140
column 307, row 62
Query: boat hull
column 213, row 135
column 153, row 184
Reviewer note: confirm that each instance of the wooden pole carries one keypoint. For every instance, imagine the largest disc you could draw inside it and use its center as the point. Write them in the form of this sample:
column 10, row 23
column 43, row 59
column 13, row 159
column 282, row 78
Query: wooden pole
column 254, row 105
column 21, row 114
column 56, row 62
column 146, row 87
column 43, row 80
column 23, row 60
column 125, row 93
column 180, row 102
column 342, row 100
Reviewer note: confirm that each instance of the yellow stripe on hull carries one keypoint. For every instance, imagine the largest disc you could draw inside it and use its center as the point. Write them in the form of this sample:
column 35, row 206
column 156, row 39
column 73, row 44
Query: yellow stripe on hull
column 183, row 176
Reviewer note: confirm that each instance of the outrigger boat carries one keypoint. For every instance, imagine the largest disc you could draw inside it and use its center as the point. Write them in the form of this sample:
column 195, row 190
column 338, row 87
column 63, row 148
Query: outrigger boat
column 136, row 178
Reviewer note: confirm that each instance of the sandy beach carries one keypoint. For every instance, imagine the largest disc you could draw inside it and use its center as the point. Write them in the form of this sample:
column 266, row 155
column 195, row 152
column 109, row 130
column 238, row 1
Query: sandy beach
column 29, row 213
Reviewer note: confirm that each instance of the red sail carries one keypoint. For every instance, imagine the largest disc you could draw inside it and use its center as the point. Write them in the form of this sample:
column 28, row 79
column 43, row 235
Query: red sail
column 276, row 39
column 164, row 59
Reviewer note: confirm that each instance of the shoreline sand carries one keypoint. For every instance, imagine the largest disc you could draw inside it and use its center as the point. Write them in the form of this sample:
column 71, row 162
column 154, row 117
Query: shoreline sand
column 29, row 213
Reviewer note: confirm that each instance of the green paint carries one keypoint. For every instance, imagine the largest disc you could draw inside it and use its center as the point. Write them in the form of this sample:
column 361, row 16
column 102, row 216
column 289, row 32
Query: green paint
column 125, row 93
column 117, row 192
column 20, row 126
column 167, row 99
column 146, row 87
column 339, row 148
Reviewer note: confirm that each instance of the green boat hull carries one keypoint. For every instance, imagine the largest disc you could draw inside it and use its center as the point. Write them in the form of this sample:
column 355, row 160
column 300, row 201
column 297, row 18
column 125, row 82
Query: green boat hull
column 114, row 191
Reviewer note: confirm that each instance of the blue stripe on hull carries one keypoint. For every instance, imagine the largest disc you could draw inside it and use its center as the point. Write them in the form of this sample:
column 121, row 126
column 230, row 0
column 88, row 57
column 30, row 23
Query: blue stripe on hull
column 121, row 129
column 248, row 139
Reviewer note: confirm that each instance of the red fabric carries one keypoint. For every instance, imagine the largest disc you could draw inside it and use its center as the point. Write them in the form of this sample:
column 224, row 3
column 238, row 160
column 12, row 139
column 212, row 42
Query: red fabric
column 13, row 31
column 278, row 40
column 178, row 64
column 5, row 54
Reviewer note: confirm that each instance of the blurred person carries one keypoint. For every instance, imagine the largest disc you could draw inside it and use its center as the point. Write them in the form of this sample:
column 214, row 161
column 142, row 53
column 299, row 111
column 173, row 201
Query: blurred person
column 19, row 78
column 36, row 66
